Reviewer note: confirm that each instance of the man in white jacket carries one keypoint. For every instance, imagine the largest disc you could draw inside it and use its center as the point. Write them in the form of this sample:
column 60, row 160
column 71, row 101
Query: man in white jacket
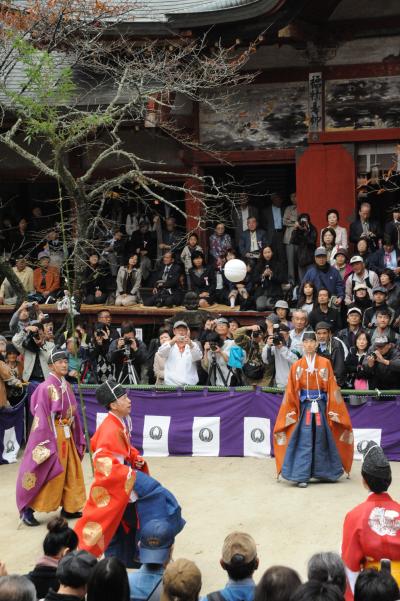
column 181, row 355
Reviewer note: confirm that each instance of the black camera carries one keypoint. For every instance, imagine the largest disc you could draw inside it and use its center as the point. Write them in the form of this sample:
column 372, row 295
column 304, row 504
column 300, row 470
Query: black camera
column 128, row 341
column 213, row 346
column 303, row 221
column 373, row 355
column 277, row 338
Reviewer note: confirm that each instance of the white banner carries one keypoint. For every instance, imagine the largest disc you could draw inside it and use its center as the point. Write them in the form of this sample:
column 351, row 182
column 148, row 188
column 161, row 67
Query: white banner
column 155, row 435
column 256, row 437
column 11, row 446
column 206, row 436
column 374, row 434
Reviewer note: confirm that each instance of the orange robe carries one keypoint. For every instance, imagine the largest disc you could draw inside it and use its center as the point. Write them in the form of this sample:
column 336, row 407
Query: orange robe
column 114, row 477
column 336, row 411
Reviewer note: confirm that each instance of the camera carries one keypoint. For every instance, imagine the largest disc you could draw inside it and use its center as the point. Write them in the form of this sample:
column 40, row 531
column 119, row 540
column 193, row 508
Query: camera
column 213, row 346
column 277, row 339
column 373, row 355
column 303, row 221
column 30, row 305
column 128, row 341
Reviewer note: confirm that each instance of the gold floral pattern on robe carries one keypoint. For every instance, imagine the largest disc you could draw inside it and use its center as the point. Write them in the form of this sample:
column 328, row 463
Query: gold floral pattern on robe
column 92, row 534
column 100, row 496
column 104, row 465
column 40, row 453
column 35, row 423
column 53, row 393
column 28, row 481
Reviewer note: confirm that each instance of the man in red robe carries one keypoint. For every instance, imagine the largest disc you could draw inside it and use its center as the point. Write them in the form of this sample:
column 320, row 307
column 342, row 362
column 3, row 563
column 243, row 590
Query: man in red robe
column 313, row 437
column 122, row 494
column 371, row 531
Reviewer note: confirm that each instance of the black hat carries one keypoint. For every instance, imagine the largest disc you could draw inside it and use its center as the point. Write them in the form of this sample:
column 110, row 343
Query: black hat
column 75, row 568
column 109, row 392
column 56, row 354
column 374, row 460
column 309, row 335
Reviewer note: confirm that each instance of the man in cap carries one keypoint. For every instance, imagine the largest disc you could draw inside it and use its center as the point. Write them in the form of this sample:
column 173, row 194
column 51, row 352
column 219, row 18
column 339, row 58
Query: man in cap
column 383, row 364
column 182, row 580
column 181, row 355
column 360, row 275
column 323, row 275
column 348, row 335
column 333, row 349
column 73, row 572
column 313, row 437
column 155, row 551
column 50, row 473
column 371, row 531
column 239, row 560
column 109, row 521
column 379, row 301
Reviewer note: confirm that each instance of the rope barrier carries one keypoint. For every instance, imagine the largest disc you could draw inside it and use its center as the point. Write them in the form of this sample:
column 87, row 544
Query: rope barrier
column 269, row 389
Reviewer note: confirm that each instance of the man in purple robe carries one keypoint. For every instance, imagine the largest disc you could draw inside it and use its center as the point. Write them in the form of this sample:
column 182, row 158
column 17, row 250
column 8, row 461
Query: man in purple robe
column 50, row 474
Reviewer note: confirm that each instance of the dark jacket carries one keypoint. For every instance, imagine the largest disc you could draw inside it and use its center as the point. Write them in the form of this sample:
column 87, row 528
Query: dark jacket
column 335, row 353
column 142, row 241
column 386, row 376
column 356, row 231
column 270, row 286
column 118, row 358
column 369, row 314
column 327, row 277
column 305, row 240
column 238, row 222
column 206, row 282
column 355, row 369
column 332, row 317
column 96, row 279
column 392, row 229
column 172, row 281
column 44, row 578
column 377, row 260
column 53, row 596
column 245, row 241
column 347, row 336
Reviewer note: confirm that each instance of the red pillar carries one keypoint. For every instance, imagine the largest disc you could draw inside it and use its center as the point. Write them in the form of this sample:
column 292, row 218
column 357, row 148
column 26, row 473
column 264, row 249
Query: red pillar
column 326, row 179
column 194, row 206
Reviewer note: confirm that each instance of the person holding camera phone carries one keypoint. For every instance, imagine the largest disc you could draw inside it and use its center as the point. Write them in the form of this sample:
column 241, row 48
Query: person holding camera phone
column 181, row 355
column 127, row 354
column 278, row 352
column 383, row 364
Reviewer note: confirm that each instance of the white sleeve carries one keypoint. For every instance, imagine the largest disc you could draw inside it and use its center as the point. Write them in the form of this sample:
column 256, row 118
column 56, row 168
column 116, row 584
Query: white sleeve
column 351, row 577
column 164, row 350
column 196, row 352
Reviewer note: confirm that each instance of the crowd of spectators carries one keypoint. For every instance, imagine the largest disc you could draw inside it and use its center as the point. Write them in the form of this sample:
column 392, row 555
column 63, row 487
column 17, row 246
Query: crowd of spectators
column 65, row 574
column 345, row 286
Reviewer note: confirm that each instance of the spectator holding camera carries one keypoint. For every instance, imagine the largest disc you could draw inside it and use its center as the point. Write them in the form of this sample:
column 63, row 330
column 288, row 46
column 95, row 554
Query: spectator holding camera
column 127, row 355
column 98, row 354
column 277, row 351
column 252, row 339
column 383, row 364
column 31, row 343
column 357, row 378
column 23, row 316
column 166, row 288
column 304, row 238
column 181, row 355
column 216, row 353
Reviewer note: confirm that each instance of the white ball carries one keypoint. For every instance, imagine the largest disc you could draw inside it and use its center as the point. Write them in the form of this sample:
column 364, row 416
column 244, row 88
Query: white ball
column 235, row 270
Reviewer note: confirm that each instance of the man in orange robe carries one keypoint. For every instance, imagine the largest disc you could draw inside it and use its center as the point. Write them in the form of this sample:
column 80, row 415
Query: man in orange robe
column 313, row 437
column 122, row 494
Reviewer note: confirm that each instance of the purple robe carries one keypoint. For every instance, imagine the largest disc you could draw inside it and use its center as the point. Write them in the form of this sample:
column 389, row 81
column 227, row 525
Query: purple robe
column 40, row 462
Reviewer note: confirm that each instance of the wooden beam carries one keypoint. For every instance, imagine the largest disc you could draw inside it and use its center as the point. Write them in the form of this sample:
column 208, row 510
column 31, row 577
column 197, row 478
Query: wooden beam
column 245, row 157
column 354, row 135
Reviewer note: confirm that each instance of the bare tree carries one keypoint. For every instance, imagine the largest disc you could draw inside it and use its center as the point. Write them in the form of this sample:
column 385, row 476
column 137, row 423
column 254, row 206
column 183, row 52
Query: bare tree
column 74, row 83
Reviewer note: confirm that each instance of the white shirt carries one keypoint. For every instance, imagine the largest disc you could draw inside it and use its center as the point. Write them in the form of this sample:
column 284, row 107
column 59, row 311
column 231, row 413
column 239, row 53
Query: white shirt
column 180, row 368
column 245, row 216
column 253, row 242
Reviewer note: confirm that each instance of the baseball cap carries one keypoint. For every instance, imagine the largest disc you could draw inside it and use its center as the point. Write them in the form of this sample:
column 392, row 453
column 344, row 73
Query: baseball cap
column 360, row 286
column 156, row 540
column 323, row 325
column 320, row 252
column 181, row 323
column 272, row 317
column 379, row 289
column 182, row 579
column 354, row 310
column 239, row 547
column 75, row 568
column 381, row 340
column 356, row 259
column 342, row 251
column 43, row 255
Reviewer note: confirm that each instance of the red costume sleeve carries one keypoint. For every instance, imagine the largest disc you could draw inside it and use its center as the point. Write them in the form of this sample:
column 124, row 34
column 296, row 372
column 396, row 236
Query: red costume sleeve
column 352, row 553
column 111, row 488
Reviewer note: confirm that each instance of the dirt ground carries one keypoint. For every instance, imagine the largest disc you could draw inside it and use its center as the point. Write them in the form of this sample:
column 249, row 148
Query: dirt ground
column 219, row 495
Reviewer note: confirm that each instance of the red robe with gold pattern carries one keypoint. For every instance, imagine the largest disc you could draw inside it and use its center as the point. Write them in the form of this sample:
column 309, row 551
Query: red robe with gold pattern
column 114, row 477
